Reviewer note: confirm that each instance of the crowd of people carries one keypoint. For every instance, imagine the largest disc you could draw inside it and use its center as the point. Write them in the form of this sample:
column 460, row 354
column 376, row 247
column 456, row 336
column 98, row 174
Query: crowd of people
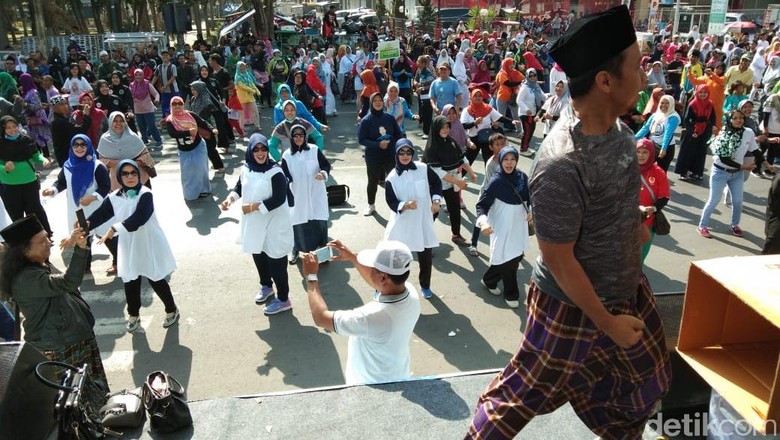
column 472, row 92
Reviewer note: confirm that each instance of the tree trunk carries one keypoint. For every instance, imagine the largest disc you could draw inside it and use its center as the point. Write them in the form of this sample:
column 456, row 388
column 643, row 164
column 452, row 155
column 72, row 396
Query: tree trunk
column 75, row 8
column 96, row 11
column 42, row 31
column 196, row 16
column 3, row 28
column 31, row 14
column 157, row 18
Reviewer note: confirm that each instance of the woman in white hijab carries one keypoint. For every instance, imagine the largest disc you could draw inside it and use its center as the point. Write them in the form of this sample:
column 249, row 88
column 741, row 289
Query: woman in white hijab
column 460, row 74
column 360, row 65
column 444, row 57
column 771, row 75
column 694, row 33
column 326, row 61
column 554, row 105
column 758, row 65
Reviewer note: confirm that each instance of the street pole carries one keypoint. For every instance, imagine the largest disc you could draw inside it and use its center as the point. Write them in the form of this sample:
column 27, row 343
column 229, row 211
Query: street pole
column 676, row 24
column 438, row 20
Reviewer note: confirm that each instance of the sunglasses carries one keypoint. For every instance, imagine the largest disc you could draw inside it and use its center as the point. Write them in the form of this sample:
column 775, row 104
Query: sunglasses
column 129, row 173
column 176, row 104
column 296, row 135
column 80, row 144
column 405, row 152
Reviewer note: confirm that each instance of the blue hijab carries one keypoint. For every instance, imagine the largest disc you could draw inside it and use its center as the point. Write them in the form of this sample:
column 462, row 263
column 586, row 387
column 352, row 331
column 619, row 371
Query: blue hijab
column 533, row 84
column 399, row 167
column 257, row 140
column 300, row 108
column 133, row 191
column 82, row 169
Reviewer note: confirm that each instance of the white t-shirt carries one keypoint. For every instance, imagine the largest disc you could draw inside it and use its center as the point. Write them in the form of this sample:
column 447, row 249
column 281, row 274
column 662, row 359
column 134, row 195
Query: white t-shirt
column 747, row 145
column 379, row 334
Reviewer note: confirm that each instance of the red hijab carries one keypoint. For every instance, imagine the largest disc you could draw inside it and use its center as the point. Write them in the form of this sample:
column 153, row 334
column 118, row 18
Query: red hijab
column 532, row 62
column 478, row 110
column 481, row 76
column 702, row 108
column 96, row 118
column 648, row 145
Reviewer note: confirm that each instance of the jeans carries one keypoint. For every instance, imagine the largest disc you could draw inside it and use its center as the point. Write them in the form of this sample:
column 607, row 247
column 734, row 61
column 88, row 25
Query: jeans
column 719, row 180
column 147, row 127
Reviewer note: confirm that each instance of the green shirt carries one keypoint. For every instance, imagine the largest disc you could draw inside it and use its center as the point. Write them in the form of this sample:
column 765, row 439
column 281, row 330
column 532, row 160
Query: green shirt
column 23, row 171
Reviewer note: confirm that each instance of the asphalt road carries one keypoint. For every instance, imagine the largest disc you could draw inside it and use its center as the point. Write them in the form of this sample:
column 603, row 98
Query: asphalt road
column 225, row 346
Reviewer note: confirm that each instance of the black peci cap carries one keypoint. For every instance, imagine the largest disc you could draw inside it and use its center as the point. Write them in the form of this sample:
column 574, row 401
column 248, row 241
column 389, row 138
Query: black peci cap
column 22, row 230
column 594, row 39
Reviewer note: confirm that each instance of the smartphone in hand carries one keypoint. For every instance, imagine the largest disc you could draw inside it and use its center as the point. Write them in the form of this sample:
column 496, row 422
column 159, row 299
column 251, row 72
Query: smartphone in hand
column 82, row 220
column 325, row 253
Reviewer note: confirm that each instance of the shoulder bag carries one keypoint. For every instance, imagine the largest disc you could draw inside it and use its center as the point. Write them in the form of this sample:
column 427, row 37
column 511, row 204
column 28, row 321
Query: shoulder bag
column 337, row 194
column 146, row 162
column 531, row 229
column 166, row 402
column 661, row 225
column 124, row 410
column 77, row 407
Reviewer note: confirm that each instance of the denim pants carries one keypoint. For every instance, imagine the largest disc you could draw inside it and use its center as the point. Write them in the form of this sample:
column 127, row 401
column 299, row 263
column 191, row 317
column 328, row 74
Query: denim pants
column 147, row 127
column 719, row 180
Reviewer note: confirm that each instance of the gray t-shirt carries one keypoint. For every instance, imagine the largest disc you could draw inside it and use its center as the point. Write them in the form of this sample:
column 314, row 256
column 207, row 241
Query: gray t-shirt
column 585, row 190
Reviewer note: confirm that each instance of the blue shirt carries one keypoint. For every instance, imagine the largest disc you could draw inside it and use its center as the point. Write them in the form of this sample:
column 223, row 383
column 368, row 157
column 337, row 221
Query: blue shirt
column 444, row 92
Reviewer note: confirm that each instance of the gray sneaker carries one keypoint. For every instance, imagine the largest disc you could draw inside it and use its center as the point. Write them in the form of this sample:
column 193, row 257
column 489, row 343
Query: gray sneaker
column 264, row 294
column 132, row 323
column 171, row 318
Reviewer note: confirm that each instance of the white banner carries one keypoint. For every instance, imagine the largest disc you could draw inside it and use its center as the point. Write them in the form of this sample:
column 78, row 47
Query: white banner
column 717, row 16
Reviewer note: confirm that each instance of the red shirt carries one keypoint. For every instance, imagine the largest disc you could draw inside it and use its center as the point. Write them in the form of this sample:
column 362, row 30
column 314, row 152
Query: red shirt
column 659, row 183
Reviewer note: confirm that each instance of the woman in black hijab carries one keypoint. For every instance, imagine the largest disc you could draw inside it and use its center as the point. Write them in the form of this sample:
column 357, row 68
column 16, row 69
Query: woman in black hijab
column 444, row 156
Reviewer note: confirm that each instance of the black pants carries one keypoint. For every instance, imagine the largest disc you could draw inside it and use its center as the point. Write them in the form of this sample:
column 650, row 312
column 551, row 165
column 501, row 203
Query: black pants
column 771, row 151
column 453, row 208
column 112, row 245
column 365, row 106
column 407, row 95
column 529, row 125
column 425, row 259
column 22, row 200
column 273, row 270
column 133, row 295
column 664, row 162
column 471, row 155
column 266, row 94
column 426, row 115
column 376, row 172
column 319, row 115
column 693, row 153
column 223, row 126
column 214, row 157
column 506, row 273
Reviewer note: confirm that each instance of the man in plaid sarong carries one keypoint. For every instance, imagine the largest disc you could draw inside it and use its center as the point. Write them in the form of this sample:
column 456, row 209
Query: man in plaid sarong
column 594, row 337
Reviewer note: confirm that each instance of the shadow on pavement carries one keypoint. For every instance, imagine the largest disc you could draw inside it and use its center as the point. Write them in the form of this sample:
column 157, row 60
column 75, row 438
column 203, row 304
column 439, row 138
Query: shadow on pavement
column 437, row 397
column 173, row 358
column 305, row 355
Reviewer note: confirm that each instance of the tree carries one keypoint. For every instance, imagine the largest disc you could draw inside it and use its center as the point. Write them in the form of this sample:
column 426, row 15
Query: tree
column 479, row 21
column 427, row 15
column 397, row 6
column 381, row 9
column 264, row 17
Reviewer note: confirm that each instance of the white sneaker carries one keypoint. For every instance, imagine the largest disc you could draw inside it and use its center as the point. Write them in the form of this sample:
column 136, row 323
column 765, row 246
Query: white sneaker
column 171, row 318
column 371, row 209
column 493, row 290
column 132, row 323
column 512, row 303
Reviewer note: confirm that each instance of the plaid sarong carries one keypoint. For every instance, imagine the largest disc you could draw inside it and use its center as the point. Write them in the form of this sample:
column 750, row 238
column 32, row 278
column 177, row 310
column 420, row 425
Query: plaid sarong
column 564, row 358
column 78, row 354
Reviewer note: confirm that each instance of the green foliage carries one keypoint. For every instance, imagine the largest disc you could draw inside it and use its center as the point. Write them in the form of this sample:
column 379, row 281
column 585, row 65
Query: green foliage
column 381, row 9
column 477, row 21
column 427, row 14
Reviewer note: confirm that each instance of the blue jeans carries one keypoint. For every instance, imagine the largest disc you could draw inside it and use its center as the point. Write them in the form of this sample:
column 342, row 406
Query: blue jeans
column 719, row 180
column 147, row 127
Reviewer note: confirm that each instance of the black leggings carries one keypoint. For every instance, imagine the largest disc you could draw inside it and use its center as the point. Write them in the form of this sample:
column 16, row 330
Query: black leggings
column 21, row 200
column 225, row 131
column 426, row 115
column 112, row 244
column 453, row 208
column 425, row 259
column 133, row 295
column 771, row 151
column 273, row 270
column 664, row 162
column 214, row 157
column 471, row 155
column 506, row 273
column 376, row 172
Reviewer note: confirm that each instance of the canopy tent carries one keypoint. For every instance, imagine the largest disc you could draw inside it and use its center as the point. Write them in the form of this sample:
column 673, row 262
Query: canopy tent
column 228, row 28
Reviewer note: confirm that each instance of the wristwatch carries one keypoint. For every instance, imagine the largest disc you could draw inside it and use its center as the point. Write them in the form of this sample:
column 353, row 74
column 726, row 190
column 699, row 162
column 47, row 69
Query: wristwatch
column 311, row 278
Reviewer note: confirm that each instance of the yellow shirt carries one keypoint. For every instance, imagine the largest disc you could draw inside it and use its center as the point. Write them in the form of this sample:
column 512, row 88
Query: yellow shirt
column 734, row 74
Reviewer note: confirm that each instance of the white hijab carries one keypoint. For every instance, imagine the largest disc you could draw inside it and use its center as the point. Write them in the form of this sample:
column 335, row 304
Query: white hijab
column 444, row 57
column 459, row 68
column 758, row 65
column 772, row 73
column 660, row 117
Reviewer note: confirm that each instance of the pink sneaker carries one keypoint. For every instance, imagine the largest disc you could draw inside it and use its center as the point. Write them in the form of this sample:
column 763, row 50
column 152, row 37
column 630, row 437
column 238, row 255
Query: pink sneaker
column 737, row 231
column 704, row 232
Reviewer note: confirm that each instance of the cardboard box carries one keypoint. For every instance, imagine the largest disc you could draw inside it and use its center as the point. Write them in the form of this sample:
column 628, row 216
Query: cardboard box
column 730, row 333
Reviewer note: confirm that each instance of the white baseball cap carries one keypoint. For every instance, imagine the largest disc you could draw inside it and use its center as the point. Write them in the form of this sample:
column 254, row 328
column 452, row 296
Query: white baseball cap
column 391, row 257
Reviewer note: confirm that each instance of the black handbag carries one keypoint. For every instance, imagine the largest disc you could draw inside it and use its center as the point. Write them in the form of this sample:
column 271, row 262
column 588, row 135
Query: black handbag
column 337, row 194
column 661, row 224
column 483, row 136
column 166, row 402
column 124, row 410
column 78, row 403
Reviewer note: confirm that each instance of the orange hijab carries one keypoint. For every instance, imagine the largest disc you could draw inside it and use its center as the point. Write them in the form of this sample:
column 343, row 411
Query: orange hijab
column 478, row 110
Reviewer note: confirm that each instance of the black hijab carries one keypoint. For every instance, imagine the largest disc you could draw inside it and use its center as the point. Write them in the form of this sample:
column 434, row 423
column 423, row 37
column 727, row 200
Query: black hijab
column 18, row 150
column 258, row 140
column 399, row 167
column 441, row 152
